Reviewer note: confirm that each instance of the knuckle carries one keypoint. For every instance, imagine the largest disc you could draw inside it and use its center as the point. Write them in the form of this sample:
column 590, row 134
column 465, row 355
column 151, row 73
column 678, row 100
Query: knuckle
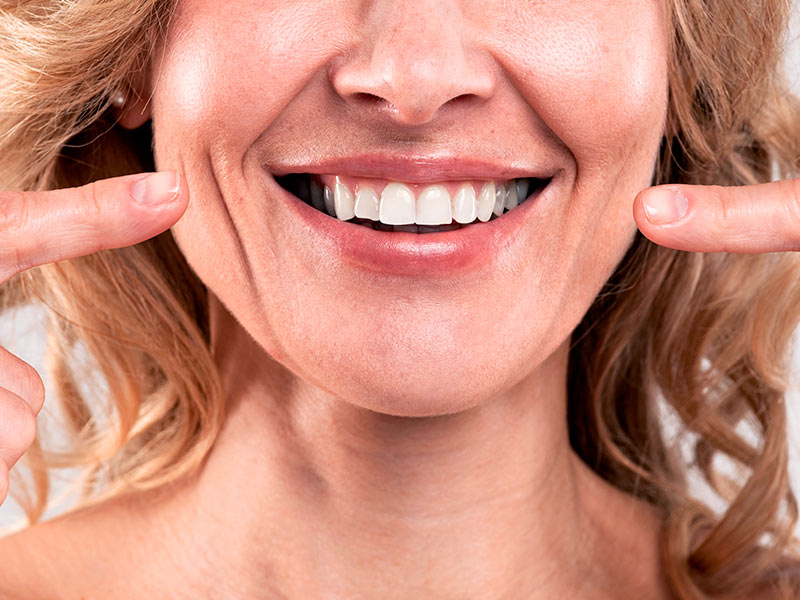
column 21, row 378
column 20, row 426
column 13, row 208
column 792, row 196
column 719, row 199
column 11, row 259
column 94, row 214
column 13, row 216
column 4, row 481
column 93, row 205
column 27, row 429
column 34, row 387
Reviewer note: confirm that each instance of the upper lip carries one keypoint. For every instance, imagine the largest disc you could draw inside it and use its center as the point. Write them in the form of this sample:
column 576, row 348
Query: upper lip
column 415, row 168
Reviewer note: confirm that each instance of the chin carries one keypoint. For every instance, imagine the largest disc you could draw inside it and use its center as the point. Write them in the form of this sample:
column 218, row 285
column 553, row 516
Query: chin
column 400, row 397
column 416, row 381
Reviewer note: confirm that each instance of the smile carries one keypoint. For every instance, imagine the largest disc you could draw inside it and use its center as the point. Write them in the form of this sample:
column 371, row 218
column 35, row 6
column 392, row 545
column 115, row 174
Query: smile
column 384, row 205
column 367, row 212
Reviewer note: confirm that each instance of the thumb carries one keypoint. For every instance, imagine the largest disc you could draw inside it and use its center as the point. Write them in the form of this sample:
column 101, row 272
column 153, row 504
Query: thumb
column 743, row 219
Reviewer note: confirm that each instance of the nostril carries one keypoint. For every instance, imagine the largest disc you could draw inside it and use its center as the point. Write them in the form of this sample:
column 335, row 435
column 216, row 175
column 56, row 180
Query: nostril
column 376, row 102
column 411, row 92
column 464, row 100
column 414, row 113
column 367, row 98
column 373, row 102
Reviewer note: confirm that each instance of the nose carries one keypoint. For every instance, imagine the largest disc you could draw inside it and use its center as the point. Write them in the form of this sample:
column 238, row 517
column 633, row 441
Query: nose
column 412, row 58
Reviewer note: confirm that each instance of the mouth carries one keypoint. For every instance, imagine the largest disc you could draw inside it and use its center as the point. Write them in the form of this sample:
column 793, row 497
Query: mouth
column 368, row 213
column 393, row 206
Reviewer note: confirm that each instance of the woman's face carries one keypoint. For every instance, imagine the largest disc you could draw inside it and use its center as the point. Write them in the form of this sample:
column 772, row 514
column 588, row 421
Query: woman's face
column 422, row 92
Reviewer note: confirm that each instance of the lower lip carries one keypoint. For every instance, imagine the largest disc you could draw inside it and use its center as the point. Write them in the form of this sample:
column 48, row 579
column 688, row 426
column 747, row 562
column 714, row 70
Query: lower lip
column 414, row 254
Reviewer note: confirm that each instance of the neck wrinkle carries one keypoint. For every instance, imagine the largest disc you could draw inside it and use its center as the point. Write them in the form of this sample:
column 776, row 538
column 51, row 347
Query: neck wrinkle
column 333, row 500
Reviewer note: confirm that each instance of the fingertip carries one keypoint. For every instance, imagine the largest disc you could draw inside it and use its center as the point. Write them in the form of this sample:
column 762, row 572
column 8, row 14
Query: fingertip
column 638, row 210
column 660, row 213
column 664, row 205
column 157, row 189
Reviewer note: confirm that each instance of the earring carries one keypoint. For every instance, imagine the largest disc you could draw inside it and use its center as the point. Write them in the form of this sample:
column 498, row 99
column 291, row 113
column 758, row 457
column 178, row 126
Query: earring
column 118, row 98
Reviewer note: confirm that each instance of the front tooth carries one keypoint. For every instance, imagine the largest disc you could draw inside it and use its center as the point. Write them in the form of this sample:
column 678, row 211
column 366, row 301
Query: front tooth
column 343, row 201
column 397, row 205
column 486, row 202
column 316, row 196
column 522, row 189
column 511, row 196
column 433, row 206
column 327, row 196
column 499, row 200
column 465, row 205
column 367, row 204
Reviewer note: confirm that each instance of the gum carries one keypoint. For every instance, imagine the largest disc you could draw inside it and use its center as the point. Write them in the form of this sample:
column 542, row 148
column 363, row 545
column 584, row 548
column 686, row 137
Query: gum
column 356, row 183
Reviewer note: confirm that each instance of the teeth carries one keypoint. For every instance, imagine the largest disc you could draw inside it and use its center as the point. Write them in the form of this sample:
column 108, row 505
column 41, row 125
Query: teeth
column 368, row 205
column 316, row 196
column 499, row 200
column 398, row 209
column 397, row 205
column 433, row 206
column 522, row 189
column 465, row 204
column 511, row 196
column 343, row 201
column 327, row 196
column 486, row 202
column 378, row 226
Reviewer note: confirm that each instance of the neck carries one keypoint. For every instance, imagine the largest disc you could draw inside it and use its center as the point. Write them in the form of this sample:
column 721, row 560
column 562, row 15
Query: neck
column 311, row 496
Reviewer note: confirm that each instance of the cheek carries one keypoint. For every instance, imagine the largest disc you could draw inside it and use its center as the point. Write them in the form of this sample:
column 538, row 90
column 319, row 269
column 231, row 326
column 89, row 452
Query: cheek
column 225, row 80
column 227, row 70
column 597, row 85
column 601, row 90
column 225, row 73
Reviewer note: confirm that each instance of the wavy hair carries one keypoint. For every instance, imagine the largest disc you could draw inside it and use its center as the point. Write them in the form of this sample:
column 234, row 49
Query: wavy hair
column 698, row 341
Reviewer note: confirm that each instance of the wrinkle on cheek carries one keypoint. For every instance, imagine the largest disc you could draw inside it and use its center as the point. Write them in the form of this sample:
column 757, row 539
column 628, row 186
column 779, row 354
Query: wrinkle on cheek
column 180, row 86
column 593, row 84
column 647, row 85
column 221, row 70
column 184, row 90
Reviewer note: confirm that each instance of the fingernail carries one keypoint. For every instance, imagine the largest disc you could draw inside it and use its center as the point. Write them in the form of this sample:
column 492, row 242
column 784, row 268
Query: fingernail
column 663, row 206
column 159, row 188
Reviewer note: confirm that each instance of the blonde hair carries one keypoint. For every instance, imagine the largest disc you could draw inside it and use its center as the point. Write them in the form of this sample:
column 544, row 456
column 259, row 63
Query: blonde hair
column 701, row 337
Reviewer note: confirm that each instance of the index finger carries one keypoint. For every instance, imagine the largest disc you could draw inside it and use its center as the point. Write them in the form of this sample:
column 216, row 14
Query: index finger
column 744, row 219
column 42, row 227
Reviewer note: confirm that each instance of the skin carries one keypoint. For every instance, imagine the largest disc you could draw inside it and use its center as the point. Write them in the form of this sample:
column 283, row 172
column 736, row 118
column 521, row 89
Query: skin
column 584, row 97
column 324, row 481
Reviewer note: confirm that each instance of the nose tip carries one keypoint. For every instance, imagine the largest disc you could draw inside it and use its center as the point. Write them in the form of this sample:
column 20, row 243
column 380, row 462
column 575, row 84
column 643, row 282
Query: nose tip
column 411, row 63
column 411, row 91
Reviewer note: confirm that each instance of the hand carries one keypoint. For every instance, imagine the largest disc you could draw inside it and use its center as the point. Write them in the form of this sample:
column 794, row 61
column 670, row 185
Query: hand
column 746, row 219
column 44, row 227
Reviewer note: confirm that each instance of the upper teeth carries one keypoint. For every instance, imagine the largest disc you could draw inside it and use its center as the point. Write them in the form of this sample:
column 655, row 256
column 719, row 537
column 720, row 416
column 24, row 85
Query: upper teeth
column 398, row 205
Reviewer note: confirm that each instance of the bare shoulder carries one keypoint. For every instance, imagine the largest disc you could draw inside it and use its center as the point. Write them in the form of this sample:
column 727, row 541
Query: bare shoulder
column 108, row 550
column 76, row 555
column 28, row 566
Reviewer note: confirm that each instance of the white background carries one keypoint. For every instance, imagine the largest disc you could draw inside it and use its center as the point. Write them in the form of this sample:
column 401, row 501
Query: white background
column 23, row 333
